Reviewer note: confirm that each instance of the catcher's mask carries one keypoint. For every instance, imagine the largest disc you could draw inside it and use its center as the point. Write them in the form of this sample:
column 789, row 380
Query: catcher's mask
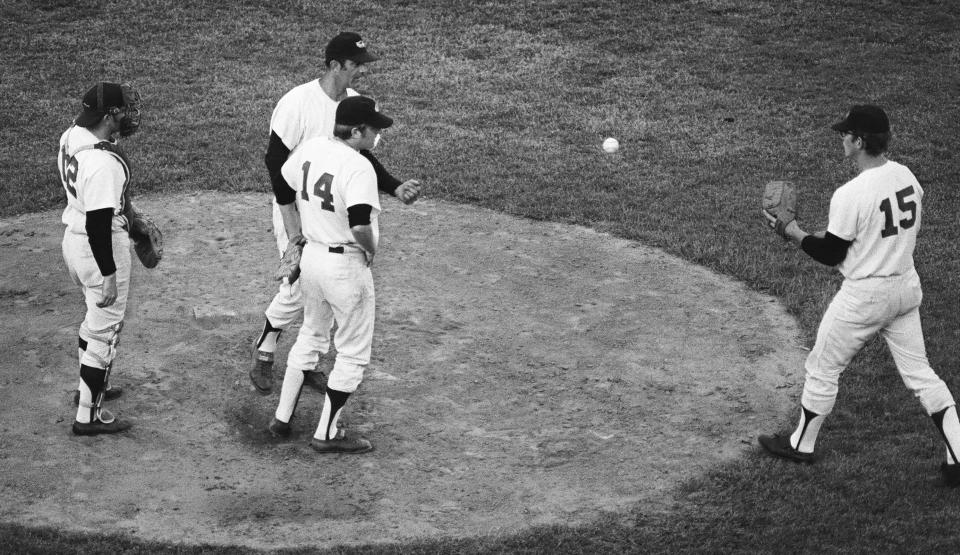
column 120, row 101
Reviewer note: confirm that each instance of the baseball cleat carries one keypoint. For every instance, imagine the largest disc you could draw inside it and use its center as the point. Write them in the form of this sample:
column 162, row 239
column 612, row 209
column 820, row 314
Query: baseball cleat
column 779, row 445
column 315, row 379
column 261, row 375
column 98, row 427
column 341, row 445
column 279, row 428
column 951, row 474
column 109, row 395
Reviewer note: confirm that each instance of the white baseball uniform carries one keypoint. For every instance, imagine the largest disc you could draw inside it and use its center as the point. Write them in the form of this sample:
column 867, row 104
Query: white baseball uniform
column 879, row 211
column 337, row 284
column 95, row 176
column 305, row 112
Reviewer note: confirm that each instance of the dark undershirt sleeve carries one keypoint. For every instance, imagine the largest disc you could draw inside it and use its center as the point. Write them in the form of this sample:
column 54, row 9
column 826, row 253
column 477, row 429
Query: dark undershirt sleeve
column 277, row 154
column 830, row 250
column 359, row 214
column 385, row 182
column 99, row 228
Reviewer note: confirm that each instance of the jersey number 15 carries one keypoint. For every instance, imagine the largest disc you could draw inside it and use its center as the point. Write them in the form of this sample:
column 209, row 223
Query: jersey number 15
column 906, row 206
column 322, row 188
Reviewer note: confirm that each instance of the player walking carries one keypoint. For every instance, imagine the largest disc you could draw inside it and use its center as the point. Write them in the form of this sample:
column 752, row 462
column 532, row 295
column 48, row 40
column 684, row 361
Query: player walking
column 308, row 111
column 336, row 194
column 871, row 234
column 96, row 246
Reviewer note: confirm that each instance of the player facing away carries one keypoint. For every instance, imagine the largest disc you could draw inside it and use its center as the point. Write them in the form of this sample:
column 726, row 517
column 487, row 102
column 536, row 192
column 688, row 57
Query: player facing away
column 308, row 111
column 335, row 188
column 871, row 234
column 96, row 247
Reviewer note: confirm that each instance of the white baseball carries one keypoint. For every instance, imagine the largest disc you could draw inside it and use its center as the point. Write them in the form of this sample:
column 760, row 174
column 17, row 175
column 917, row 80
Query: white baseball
column 611, row 145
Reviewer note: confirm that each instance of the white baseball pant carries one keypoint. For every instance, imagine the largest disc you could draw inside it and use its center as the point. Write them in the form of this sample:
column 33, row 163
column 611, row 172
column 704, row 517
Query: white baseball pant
column 862, row 308
column 336, row 287
column 101, row 324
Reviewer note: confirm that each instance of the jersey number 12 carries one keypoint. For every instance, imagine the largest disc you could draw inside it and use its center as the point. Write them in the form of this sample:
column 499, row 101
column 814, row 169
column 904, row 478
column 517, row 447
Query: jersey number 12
column 905, row 205
column 322, row 188
column 68, row 171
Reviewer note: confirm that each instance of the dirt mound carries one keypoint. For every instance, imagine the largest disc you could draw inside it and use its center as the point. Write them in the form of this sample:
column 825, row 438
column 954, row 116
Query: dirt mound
column 523, row 373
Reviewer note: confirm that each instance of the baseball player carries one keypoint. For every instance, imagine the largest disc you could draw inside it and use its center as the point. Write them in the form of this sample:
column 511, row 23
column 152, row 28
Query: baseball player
column 96, row 246
column 871, row 233
column 335, row 188
column 308, row 111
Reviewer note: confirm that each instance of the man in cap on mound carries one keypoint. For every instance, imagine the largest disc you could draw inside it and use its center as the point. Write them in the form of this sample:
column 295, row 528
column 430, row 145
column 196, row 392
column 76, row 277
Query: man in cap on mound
column 305, row 112
column 335, row 190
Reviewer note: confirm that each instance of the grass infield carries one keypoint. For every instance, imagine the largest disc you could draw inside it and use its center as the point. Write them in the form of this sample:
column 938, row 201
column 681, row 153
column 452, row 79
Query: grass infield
column 504, row 105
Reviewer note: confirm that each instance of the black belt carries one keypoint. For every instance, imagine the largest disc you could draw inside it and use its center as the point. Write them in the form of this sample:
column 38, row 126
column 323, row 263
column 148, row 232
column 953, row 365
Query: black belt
column 338, row 250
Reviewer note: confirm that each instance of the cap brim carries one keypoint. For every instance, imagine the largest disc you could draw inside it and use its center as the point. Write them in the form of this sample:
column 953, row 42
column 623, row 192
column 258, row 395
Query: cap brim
column 364, row 58
column 88, row 118
column 841, row 126
column 380, row 121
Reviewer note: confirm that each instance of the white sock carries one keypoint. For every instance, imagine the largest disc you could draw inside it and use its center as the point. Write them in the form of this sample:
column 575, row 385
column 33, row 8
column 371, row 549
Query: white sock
column 86, row 401
column 804, row 437
column 951, row 434
column 269, row 343
column 289, row 394
column 333, row 404
column 322, row 427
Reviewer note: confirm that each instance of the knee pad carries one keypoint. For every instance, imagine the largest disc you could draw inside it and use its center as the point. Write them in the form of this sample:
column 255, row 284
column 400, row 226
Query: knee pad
column 101, row 347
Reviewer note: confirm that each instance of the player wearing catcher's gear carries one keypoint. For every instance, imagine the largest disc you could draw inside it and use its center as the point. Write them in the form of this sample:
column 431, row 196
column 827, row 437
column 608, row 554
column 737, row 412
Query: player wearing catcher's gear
column 871, row 234
column 336, row 194
column 305, row 112
column 96, row 246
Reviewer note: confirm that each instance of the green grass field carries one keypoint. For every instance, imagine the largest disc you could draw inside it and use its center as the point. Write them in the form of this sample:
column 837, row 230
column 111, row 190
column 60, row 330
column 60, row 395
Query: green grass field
column 504, row 105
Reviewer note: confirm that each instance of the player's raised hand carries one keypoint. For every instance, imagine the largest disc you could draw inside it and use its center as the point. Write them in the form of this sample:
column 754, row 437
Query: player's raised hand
column 409, row 191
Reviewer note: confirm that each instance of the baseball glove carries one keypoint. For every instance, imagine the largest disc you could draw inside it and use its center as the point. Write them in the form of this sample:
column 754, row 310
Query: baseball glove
column 147, row 238
column 290, row 261
column 779, row 205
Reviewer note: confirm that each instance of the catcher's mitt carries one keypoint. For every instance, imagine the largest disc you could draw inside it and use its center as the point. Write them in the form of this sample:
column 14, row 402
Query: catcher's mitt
column 290, row 261
column 147, row 238
column 779, row 205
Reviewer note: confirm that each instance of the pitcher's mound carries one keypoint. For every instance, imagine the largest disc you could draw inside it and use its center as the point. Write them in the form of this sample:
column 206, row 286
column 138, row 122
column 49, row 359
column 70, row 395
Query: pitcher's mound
column 523, row 373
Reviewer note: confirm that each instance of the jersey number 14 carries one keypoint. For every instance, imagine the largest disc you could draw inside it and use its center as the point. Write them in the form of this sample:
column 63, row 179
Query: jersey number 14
column 906, row 206
column 322, row 188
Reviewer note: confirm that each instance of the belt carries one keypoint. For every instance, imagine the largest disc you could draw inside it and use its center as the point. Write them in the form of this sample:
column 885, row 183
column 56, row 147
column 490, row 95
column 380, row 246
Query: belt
column 337, row 250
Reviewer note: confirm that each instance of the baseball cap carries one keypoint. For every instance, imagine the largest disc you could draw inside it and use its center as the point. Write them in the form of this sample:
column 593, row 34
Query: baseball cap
column 349, row 46
column 361, row 110
column 864, row 118
column 98, row 100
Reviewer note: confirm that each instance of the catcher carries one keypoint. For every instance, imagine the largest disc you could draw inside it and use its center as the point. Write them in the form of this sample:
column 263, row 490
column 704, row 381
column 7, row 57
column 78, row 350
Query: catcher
column 96, row 244
column 870, row 237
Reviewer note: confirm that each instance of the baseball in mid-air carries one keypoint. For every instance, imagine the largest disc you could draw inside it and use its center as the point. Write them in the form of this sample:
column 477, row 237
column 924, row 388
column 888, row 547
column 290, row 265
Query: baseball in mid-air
column 611, row 145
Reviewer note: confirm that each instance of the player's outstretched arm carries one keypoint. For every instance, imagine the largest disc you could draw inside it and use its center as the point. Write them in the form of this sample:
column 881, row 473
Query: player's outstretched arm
column 407, row 192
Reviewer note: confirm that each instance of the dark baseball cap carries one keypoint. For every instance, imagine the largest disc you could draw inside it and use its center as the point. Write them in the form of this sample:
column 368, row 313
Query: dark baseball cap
column 864, row 118
column 361, row 110
column 349, row 46
column 100, row 98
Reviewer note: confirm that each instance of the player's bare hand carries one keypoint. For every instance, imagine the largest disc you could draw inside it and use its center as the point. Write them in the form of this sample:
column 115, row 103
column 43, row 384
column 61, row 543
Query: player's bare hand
column 409, row 191
column 108, row 291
